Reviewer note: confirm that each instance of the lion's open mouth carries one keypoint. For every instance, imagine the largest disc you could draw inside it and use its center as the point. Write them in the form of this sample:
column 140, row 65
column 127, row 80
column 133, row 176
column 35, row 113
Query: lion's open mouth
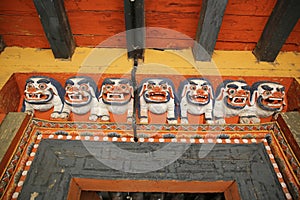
column 117, row 97
column 239, row 100
column 200, row 98
column 76, row 98
column 36, row 96
column 273, row 102
column 157, row 96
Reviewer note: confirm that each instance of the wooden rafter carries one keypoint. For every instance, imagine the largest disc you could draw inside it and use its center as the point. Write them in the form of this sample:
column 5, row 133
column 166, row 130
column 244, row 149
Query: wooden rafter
column 2, row 44
column 135, row 23
column 284, row 17
column 56, row 27
column 210, row 21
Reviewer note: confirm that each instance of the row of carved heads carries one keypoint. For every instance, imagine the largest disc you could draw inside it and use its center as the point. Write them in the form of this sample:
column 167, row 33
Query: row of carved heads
column 196, row 96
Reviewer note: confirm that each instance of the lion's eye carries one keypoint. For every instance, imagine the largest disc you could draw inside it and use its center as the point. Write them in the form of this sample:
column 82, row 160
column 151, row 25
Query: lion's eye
column 29, row 86
column 164, row 86
column 205, row 88
column 268, row 92
column 149, row 86
column 108, row 87
column 84, row 87
column 68, row 87
column 193, row 87
column 43, row 86
column 123, row 87
column 231, row 91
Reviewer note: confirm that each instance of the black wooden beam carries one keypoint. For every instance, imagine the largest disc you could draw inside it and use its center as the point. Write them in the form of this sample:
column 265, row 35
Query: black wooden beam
column 210, row 21
column 284, row 17
column 56, row 26
column 135, row 28
column 2, row 44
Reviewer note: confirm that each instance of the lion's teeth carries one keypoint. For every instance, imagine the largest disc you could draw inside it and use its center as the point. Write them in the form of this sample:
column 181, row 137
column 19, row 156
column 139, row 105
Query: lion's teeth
column 275, row 99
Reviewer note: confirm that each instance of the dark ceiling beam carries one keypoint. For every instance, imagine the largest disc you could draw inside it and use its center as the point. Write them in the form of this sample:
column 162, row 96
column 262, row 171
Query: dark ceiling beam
column 55, row 22
column 284, row 17
column 210, row 21
column 2, row 44
column 135, row 28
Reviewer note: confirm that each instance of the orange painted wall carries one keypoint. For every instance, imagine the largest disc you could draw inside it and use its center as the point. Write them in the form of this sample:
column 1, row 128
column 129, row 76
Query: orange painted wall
column 93, row 21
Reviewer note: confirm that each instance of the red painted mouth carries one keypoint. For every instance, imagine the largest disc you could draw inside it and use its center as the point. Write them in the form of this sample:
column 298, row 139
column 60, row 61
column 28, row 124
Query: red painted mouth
column 157, row 96
column 238, row 101
column 200, row 98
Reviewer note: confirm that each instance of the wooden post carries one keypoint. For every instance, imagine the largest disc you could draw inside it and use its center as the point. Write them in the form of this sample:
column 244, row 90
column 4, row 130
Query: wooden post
column 210, row 21
column 284, row 17
column 56, row 26
column 135, row 24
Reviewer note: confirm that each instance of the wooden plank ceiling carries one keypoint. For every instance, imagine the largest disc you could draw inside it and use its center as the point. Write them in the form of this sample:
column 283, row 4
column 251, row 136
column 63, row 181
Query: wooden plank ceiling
column 92, row 21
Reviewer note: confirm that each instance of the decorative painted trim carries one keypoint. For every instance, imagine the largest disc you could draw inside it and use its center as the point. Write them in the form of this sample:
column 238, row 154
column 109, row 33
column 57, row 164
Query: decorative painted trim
column 269, row 134
column 277, row 171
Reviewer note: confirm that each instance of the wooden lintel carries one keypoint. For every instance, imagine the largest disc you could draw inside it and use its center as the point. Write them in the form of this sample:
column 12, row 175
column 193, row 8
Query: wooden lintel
column 210, row 21
column 56, row 26
column 284, row 17
column 135, row 25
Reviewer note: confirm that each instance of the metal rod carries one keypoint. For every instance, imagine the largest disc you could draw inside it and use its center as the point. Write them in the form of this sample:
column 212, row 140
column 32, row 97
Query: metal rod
column 135, row 97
